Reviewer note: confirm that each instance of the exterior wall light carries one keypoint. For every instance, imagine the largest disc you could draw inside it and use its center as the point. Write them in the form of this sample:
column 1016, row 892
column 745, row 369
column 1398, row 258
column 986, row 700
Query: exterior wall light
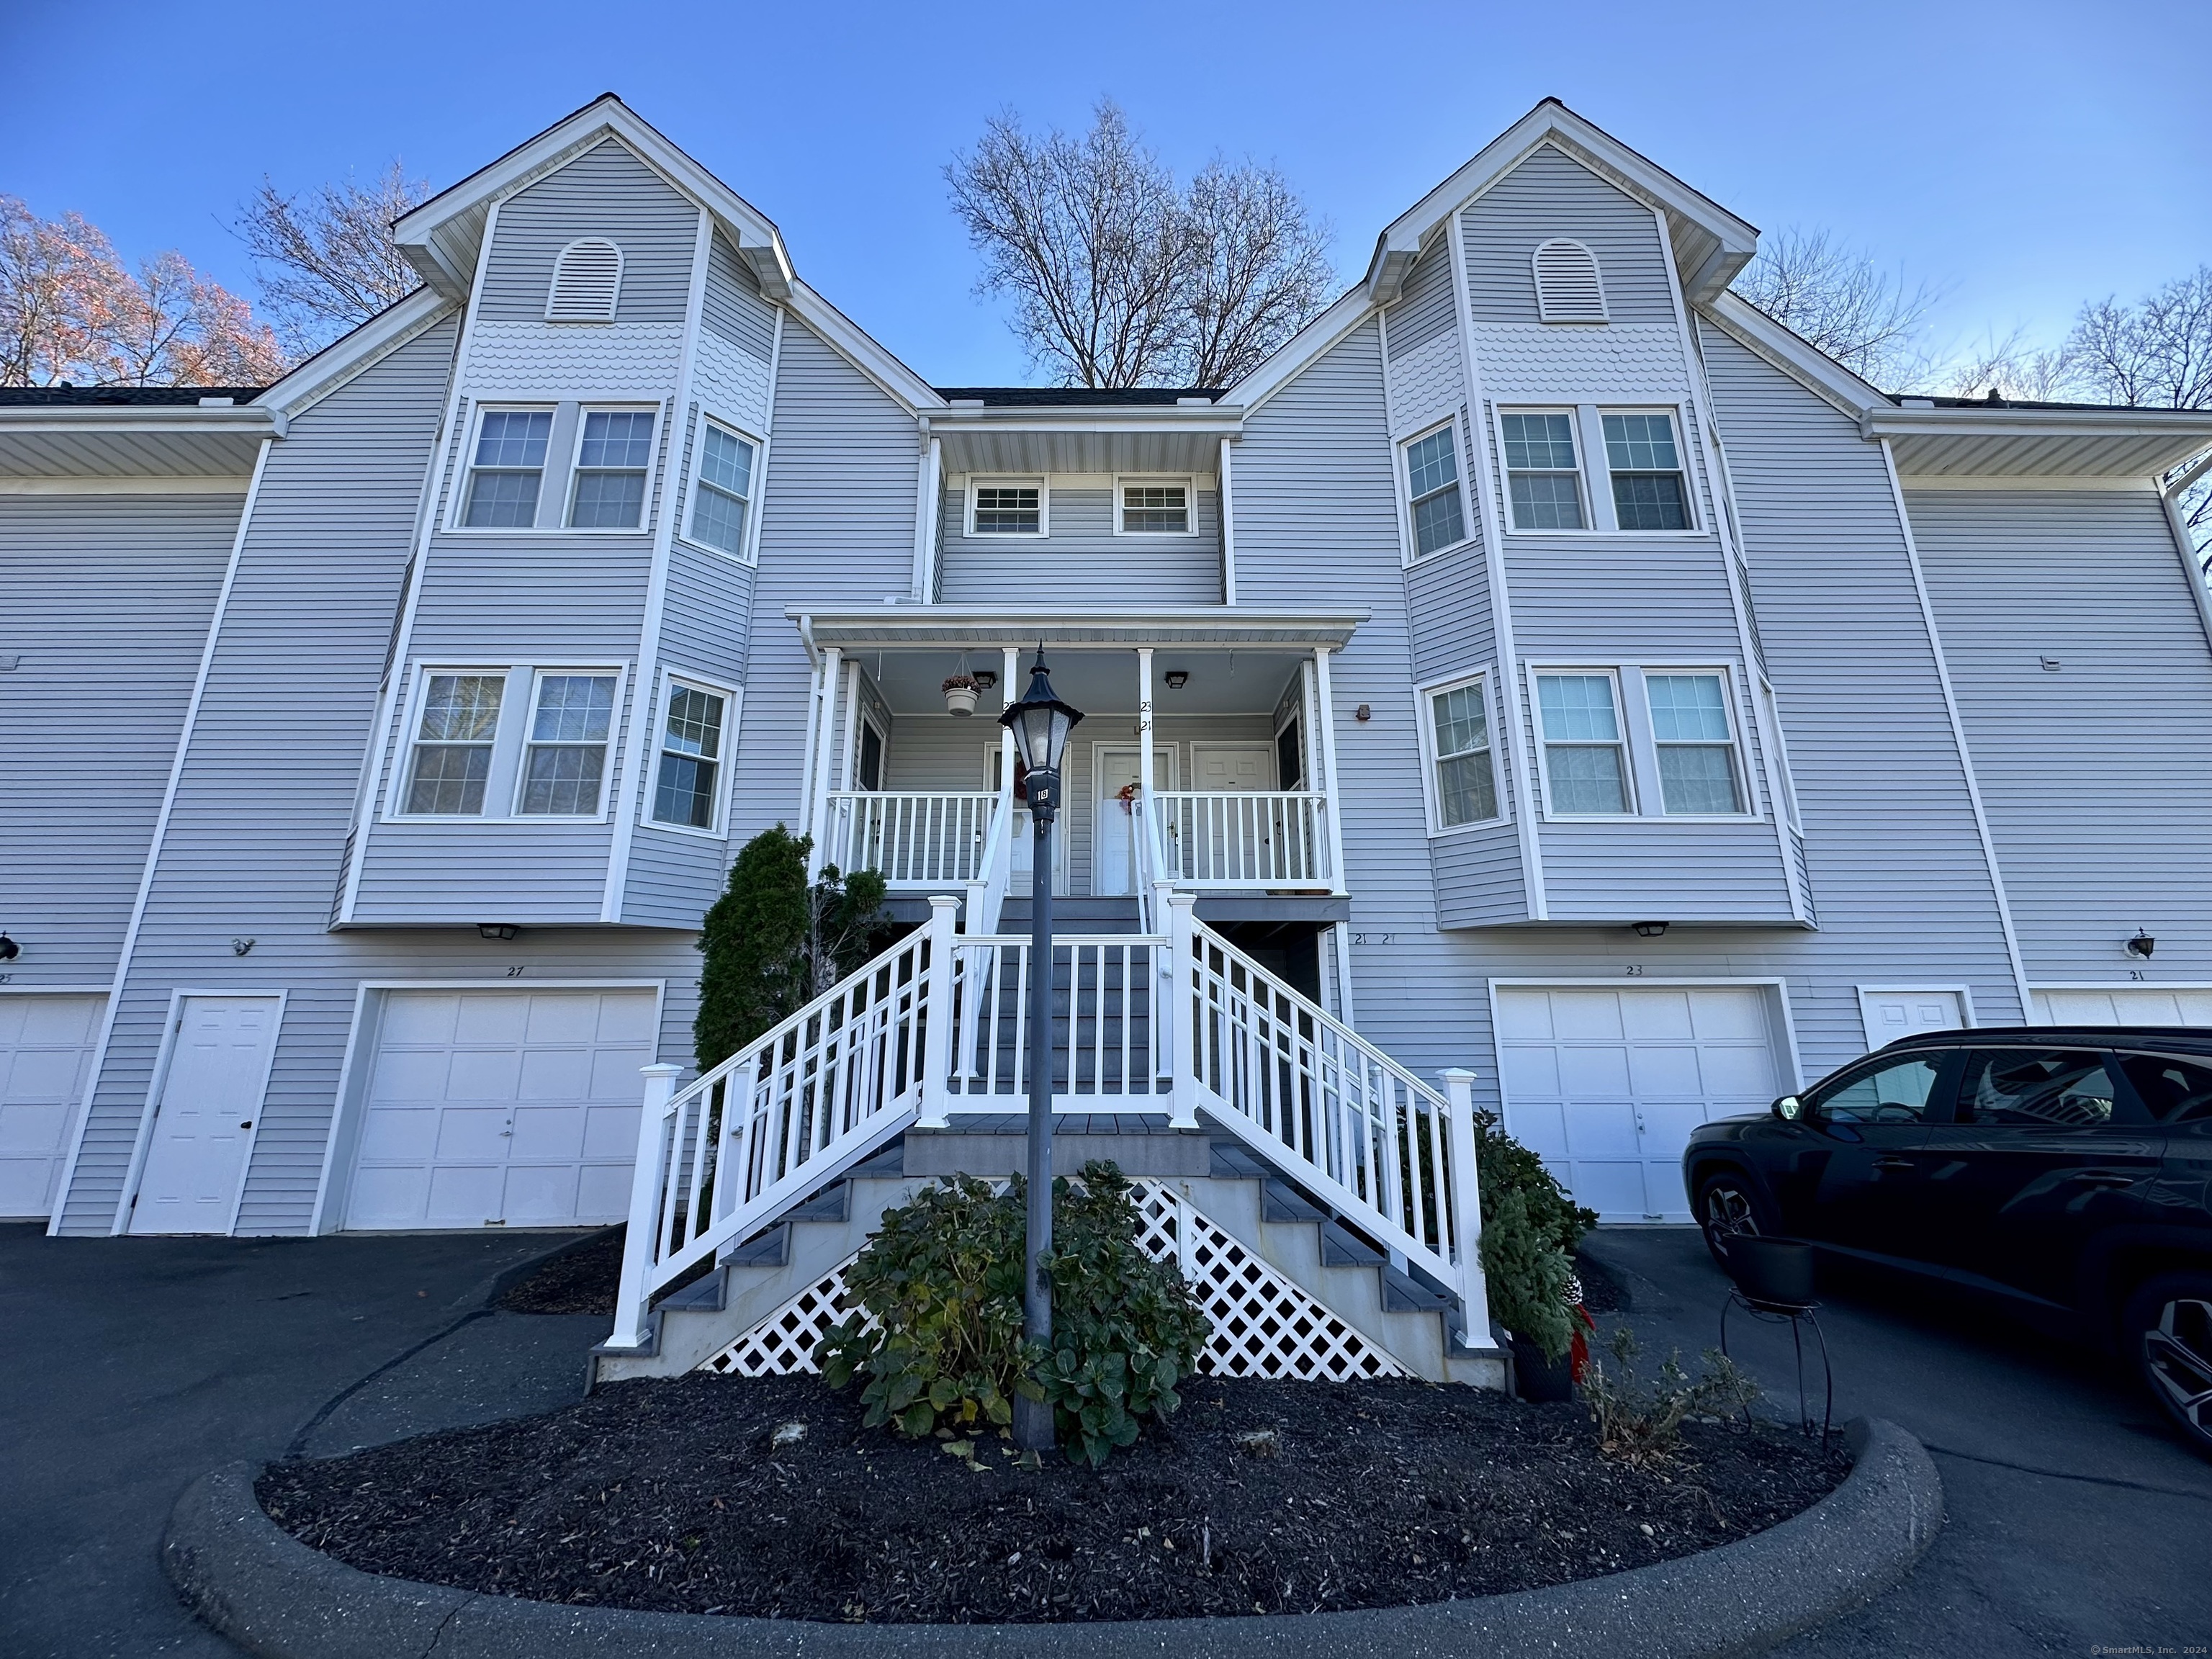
column 8, row 949
column 496, row 930
column 1649, row 929
column 2141, row 945
column 1178, row 679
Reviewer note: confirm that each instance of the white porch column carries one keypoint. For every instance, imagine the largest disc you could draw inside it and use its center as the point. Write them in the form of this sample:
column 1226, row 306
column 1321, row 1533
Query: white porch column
column 817, row 762
column 638, row 1253
column 1466, row 1210
column 1141, row 817
column 937, row 1019
column 1182, row 1020
column 1325, row 747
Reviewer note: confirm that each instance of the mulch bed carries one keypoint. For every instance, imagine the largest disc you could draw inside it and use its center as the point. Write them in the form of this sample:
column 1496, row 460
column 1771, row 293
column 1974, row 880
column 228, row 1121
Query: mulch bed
column 671, row 1495
column 581, row 1279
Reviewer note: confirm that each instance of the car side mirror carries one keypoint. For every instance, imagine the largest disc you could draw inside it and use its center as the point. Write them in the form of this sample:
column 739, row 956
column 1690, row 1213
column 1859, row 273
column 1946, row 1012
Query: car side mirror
column 1789, row 1109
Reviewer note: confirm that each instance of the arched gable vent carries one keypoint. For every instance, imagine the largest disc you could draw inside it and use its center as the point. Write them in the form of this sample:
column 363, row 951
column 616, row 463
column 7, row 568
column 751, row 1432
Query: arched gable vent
column 587, row 282
column 1568, row 290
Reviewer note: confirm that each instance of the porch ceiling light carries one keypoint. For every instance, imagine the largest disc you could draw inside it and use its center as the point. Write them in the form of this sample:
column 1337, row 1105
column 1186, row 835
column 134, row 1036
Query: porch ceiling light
column 1178, row 679
column 1649, row 929
column 496, row 930
column 1041, row 723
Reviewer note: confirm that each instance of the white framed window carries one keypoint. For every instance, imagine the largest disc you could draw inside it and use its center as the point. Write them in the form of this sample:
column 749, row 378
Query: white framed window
column 1008, row 507
column 507, row 468
column 721, row 489
column 688, row 768
column 1153, row 506
column 1543, row 472
column 614, row 454
column 1584, row 744
column 1649, row 491
column 1569, row 288
column 507, row 744
column 587, row 282
column 1695, row 739
column 1456, row 732
column 1433, row 489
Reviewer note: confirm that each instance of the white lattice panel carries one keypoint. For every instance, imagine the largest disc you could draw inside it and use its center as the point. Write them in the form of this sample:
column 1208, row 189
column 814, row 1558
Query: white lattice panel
column 1425, row 384
column 731, row 381
column 523, row 356
column 1524, row 360
column 1263, row 1324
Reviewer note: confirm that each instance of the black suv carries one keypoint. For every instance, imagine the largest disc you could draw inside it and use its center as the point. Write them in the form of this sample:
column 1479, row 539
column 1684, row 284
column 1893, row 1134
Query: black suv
column 2065, row 1170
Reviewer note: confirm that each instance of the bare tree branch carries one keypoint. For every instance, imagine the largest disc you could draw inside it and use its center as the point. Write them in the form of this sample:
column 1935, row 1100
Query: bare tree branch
column 327, row 257
column 1836, row 297
column 1255, row 270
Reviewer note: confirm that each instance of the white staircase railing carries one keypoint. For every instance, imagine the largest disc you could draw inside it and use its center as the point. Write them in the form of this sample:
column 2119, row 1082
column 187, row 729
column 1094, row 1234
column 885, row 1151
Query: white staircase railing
column 986, row 888
column 1107, row 1043
column 916, row 838
column 1245, row 837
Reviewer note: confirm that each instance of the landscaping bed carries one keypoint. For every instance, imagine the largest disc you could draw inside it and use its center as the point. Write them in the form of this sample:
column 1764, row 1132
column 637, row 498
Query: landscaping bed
column 580, row 1279
column 671, row 1496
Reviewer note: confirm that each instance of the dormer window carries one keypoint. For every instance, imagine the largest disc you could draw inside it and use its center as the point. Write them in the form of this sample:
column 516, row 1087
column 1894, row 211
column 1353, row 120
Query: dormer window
column 587, row 282
column 1568, row 287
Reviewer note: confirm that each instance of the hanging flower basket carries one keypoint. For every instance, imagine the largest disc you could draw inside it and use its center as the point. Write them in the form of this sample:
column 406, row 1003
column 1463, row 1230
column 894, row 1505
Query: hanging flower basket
column 960, row 694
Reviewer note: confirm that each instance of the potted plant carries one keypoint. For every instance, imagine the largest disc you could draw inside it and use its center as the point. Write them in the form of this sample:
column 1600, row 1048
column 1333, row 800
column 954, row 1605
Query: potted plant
column 960, row 691
column 1528, row 1275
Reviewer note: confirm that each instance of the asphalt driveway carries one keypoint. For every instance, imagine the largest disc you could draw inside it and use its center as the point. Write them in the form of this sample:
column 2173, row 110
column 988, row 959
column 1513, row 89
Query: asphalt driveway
column 2075, row 1521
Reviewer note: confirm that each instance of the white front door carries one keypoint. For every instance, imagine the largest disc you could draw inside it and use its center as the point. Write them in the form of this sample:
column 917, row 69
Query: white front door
column 1217, row 768
column 1605, row 1083
column 1114, row 816
column 495, row 1107
column 1889, row 1015
column 45, row 1048
column 203, row 1122
column 2138, row 1004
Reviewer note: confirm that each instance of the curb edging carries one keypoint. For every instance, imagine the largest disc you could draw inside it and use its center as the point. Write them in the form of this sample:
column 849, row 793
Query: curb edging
column 272, row 1594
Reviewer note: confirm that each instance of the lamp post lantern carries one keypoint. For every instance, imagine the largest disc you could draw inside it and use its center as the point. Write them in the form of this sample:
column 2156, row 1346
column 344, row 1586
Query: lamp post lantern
column 1040, row 723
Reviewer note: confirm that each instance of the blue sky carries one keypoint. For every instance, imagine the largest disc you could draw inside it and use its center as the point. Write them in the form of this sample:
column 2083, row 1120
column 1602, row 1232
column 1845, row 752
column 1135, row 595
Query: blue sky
column 2022, row 156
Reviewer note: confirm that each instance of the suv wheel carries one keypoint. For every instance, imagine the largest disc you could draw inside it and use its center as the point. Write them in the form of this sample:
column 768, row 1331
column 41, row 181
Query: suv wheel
column 1728, row 1203
column 2168, row 1332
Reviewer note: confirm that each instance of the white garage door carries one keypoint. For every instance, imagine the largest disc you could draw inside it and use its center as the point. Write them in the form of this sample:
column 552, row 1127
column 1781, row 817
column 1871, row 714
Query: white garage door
column 2141, row 1006
column 1604, row 1084
column 46, row 1048
column 514, row 1106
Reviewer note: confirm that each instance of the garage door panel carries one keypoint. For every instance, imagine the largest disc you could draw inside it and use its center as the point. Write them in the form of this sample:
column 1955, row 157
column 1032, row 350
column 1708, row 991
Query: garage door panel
column 1740, row 1073
column 610, row 1132
column 1601, row 1128
column 495, row 1017
column 488, row 1074
column 561, row 1073
column 558, row 1017
column 400, row 1133
column 1525, row 1014
column 410, row 1074
column 615, row 1073
column 466, row 1195
column 627, row 1019
column 1664, row 1070
column 1528, row 1072
column 541, row 1196
column 602, row 1190
column 1657, row 1014
column 383, row 1197
column 52, row 1074
column 1610, row 1189
column 1728, row 1013
column 471, row 1131
column 548, row 1131
column 418, row 1018
column 1542, row 1126
column 1593, row 1071
column 2147, row 1006
column 1586, row 1014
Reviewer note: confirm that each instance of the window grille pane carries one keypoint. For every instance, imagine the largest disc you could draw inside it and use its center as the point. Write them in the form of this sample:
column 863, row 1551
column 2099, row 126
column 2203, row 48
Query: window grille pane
column 684, row 793
column 1438, row 521
column 1649, row 501
column 1463, row 723
column 462, row 708
column 609, row 501
column 617, row 438
column 501, row 500
column 725, row 461
column 1640, row 443
column 1578, row 708
column 1538, row 441
column 563, row 779
column 1158, row 508
column 1697, row 777
column 573, row 708
column 513, row 437
column 695, row 723
column 1687, row 708
column 1430, row 463
column 718, row 521
column 1466, row 792
column 1586, row 779
column 1008, row 511
column 1545, row 500
column 449, row 778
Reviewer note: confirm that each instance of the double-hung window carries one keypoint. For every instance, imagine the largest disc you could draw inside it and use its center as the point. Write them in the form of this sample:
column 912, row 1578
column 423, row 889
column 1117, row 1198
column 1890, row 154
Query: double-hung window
column 612, row 461
column 1696, row 749
column 565, row 762
column 1585, row 760
column 1432, row 484
column 1006, row 507
column 1647, row 472
column 451, row 762
column 1543, row 479
column 1153, row 508
column 506, row 469
column 722, row 492
column 1465, row 780
column 686, row 792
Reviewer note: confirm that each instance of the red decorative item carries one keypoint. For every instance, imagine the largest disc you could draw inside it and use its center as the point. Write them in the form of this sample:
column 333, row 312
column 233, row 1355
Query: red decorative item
column 1579, row 1344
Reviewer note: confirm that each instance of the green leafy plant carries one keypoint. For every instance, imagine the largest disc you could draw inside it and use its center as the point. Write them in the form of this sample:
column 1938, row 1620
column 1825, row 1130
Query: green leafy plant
column 937, row 1329
column 772, row 944
column 1503, row 1165
column 1640, row 1420
column 1526, row 1274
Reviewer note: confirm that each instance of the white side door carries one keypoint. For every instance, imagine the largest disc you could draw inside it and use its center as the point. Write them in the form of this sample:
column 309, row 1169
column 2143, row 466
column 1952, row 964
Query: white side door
column 203, row 1122
column 1889, row 1015
column 47, row 1041
column 1114, row 819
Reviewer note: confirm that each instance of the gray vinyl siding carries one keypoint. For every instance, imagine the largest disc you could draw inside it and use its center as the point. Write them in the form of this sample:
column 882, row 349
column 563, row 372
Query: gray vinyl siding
column 1425, row 308
column 2097, row 776
column 1550, row 195
column 837, row 531
column 271, row 778
column 1081, row 560
column 108, row 602
column 606, row 191
column 734, row 307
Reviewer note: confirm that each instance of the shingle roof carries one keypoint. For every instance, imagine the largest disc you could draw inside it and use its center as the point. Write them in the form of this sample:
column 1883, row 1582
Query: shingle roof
column 1018, row 397
column 150, row 395
column 1903, row 399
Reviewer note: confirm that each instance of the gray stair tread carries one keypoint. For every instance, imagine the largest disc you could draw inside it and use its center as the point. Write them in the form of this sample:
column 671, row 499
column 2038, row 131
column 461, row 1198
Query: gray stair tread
column 762, row 1249
column 701, row 1295
column 1341, row 1248
column 829, row 1206
column 887, row 1162
column 1281, row 1201
column 1232, row 1159
column 1063, row 1123
column 1406, row 1294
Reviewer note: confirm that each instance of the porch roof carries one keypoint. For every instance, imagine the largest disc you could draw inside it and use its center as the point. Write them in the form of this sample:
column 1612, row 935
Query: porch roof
column 975, row 627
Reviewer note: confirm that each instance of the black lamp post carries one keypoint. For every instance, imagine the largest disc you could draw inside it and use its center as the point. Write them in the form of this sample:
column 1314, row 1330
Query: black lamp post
column 1040, row 723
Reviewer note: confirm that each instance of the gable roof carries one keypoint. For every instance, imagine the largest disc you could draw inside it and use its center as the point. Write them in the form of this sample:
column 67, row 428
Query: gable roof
column 1709, row 244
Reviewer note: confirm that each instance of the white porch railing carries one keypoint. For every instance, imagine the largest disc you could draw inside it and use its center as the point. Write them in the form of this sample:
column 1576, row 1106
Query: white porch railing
column 916, row 838
column 1245, row 837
